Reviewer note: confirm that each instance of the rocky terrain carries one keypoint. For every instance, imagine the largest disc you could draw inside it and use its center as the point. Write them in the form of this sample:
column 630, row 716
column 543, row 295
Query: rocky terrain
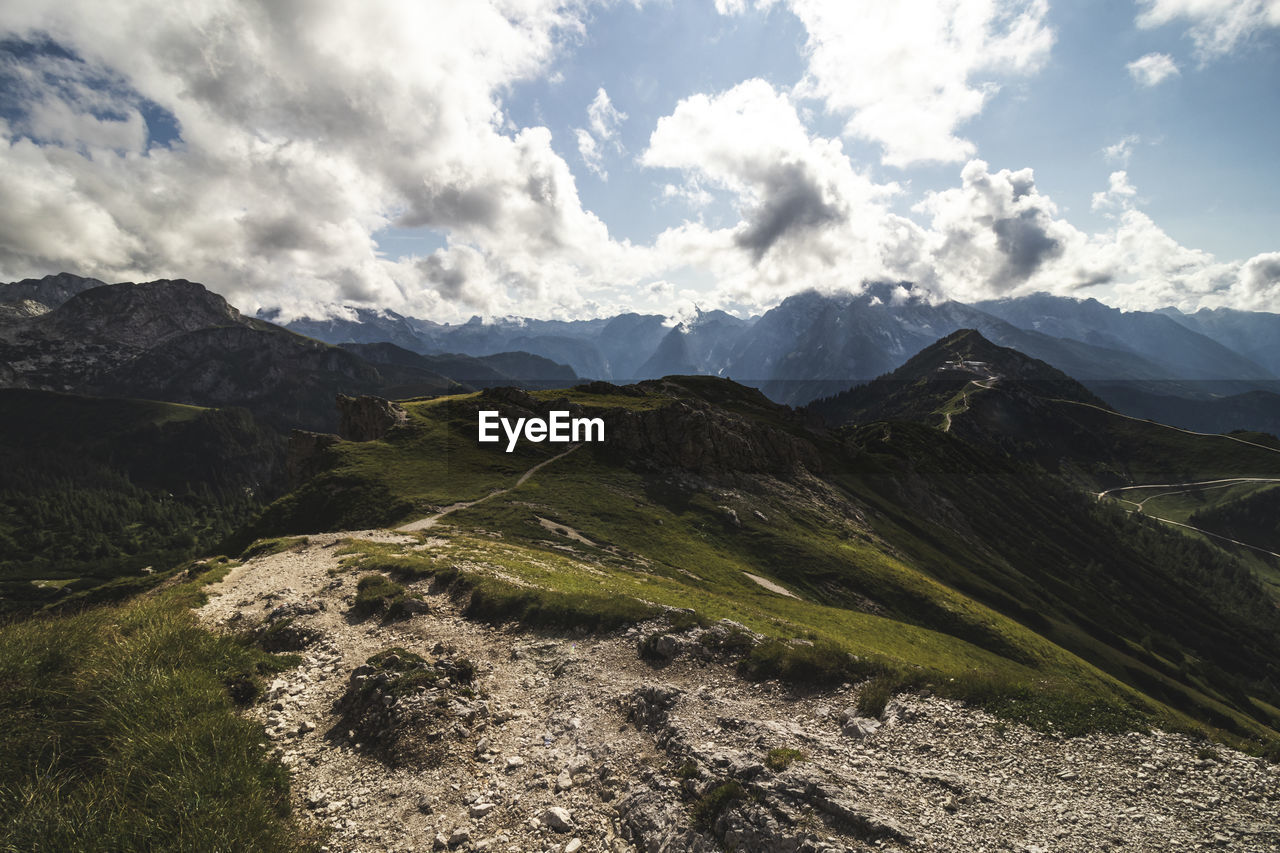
column 431, row 731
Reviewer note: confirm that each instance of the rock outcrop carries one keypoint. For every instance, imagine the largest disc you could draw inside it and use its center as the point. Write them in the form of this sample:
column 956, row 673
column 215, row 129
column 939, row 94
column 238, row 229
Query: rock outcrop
column 367, row 418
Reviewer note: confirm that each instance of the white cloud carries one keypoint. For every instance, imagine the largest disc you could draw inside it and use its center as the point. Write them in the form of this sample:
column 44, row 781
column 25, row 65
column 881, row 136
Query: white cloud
column 1153, row 69
column 1217, row 26
column 1119, row 192
column 808, row 218
column 908, row 73
column 1121, row 151
column 304, row 130
column 590, row 153
column 605, row 119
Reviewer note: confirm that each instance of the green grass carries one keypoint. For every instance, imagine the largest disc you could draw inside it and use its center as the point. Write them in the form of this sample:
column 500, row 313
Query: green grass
column 377, row 593
column 121, row 734
column 782, row 757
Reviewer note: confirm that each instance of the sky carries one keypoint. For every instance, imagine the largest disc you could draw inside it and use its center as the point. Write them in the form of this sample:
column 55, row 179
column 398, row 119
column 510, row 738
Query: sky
column 539, row 158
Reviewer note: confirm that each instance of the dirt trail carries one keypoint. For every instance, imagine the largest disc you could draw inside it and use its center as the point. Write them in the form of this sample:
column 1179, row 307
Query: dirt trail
column 432, row 520
column 577, row 743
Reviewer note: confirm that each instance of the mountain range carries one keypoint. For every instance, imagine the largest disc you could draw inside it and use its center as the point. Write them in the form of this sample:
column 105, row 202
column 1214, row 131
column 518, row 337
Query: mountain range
column 1151, row 364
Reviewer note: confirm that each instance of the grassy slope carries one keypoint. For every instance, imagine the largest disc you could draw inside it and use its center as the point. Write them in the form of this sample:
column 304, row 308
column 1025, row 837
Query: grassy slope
column 120, row 734
column 915, row 612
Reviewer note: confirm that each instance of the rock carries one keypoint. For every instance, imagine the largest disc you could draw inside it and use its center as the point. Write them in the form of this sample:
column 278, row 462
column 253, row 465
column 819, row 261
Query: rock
column 367, row 418
column 440, row 842
column 649, row 705
column 557, row 818
column 574, row 845
column 481, row 809
column 515, row 762
column 414, row 606
column 860, row 727
column 459, row 836
column 564, row 781
column 668, row 646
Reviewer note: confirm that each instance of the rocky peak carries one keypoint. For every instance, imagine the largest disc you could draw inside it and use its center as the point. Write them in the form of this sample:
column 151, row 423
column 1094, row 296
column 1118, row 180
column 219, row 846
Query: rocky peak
column 144, row 314
column 50, row 291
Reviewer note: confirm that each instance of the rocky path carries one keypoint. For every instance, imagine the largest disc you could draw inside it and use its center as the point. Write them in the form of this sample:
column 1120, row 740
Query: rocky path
column 574, row 743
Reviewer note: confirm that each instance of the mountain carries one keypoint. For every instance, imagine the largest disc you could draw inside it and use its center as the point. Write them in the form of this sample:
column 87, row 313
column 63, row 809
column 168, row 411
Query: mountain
column 1253, row 334
column 1007, row 402
column 50, row 291
column 174, row 340
column 506, row 368
column 935, row 384
column 366, row 327
column 607, row 349
column 700, row 345
column 813, row 345
column 1156, row 337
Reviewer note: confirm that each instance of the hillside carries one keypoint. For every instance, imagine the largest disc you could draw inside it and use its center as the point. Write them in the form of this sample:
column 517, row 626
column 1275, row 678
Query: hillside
column 93, row 491
column 904, row 546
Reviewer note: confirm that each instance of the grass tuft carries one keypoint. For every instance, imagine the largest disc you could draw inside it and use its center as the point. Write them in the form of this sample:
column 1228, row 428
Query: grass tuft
column 782, row 757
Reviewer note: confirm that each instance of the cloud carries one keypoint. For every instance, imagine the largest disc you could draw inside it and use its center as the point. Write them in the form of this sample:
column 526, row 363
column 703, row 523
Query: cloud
column 1217, row 26
column 908, row 73
column 1153, row 69
column 1121, row 151
column 791, row 188
column 605, row 121
column 590, row 153
column 604, row 118
column 1258, row 285
column 1119, row 192
column 304, row 130
column 996, row 234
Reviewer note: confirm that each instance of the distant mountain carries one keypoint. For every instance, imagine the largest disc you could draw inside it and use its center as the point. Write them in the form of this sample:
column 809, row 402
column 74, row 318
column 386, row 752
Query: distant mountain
column 703, row 345
column 1253, row 334
column 1156, row 337
column 50, row 291
column 367, row 327
column 601, row 349
column 469, row 372
column 813, row 345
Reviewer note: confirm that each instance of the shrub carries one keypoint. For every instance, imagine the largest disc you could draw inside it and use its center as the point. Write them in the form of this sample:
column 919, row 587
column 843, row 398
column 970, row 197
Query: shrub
column 714, row 803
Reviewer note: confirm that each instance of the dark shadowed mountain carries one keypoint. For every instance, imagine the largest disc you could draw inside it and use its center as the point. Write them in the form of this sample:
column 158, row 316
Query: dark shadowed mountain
column 50, row 291
column 176, row 341
column 506, row 368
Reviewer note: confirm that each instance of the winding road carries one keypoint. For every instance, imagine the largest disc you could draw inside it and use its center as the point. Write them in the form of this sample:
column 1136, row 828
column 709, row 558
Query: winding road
column 964, row 393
